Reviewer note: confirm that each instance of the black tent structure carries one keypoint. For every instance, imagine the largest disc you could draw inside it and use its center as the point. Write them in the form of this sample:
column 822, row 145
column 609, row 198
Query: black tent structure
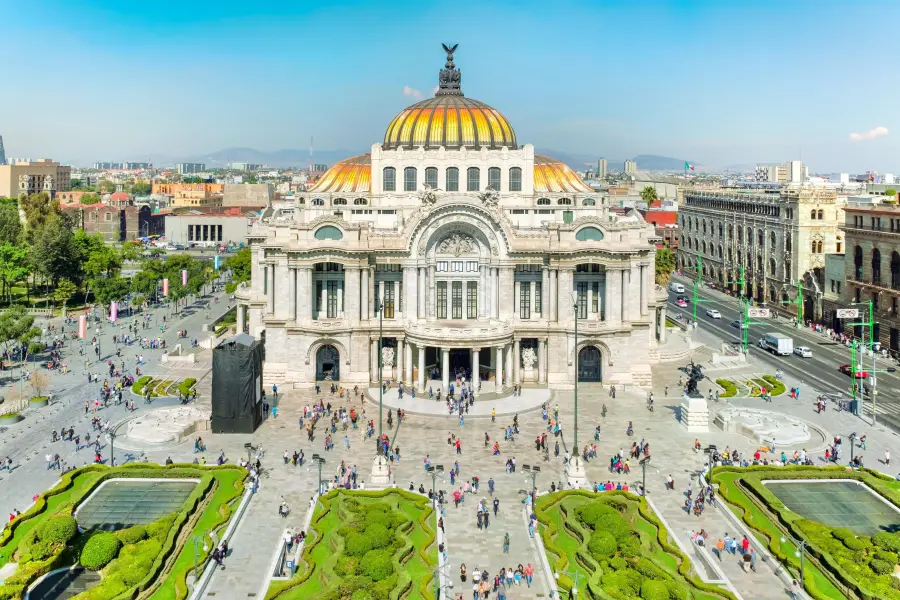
column 237, row 388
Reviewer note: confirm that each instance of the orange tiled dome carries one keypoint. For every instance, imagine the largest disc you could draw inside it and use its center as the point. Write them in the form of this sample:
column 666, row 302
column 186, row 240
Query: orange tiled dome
column 551, row 175
column 350, row 175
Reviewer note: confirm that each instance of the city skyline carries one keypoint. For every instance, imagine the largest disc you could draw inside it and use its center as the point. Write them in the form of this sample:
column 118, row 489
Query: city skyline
column 675, row 79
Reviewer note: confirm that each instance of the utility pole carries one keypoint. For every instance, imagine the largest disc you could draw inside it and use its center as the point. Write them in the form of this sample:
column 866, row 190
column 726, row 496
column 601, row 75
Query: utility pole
column 745, row 312
column 695, row 297
column 857, row 364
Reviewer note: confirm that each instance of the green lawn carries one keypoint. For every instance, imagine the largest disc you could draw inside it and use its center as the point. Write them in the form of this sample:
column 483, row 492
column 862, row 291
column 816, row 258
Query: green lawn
column 847, row 562
column 617, row 546
column 342, row 548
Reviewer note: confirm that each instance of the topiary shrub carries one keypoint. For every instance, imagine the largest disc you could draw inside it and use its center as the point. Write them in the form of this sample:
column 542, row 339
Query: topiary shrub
column 58, row 530
column 99, row 551
column 891, row 557
column 379, row 536
column 654, row 589
column 357, row 544
column 378, row 565
column 887, row 541
column 881, row 567
column 132, row 535
column 617, row 563
column 593, row 512
column 677, row 592
column 11, row 592
column 602, row 545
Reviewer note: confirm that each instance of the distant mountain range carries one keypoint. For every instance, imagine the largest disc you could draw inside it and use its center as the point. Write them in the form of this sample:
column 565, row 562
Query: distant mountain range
column 292, row 157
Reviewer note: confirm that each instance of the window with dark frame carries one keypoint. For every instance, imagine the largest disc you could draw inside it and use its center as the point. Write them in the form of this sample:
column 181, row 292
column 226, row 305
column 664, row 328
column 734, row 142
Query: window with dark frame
column 457, row 300
column 524, row 300
column 441, row 300
column 472, row 299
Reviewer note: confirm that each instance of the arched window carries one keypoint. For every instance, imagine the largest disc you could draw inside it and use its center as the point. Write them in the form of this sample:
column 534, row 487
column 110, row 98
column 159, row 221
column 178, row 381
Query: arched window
column 494, row 178
column 720, row 250
column 301, row 201
column 837, row 246
column 409, row 179
column 515, row 179
column 564, row 201
column 588, row 202
column 772, row 267
column 721, row 230
column 740, row 235
column 876, row 266
column 772, row 240
column 820, row 214
column 389, row 183
column 759, row 237
column 820, row 246
column 318, row 202
column 339, row 202
column 813, row 247
column 543, row 201
column 703, row 226
column 704, row 248
column 895, row 270
column 812, row 214
column 857, row 263
column 431, row 177
column 788, row 244
column 360, row 202
column 750, row 236
column 589, row 234
column 329, row 232
column 759, row 263
column 473, row 179
column 452, row 183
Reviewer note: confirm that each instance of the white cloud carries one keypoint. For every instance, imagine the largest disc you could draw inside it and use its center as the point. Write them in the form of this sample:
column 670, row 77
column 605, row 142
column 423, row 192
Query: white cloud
column 435, row 89
column 408, row 91
column 870, row 134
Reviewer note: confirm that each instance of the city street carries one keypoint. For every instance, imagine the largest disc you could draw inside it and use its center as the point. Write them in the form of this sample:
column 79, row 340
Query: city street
column 820, row 372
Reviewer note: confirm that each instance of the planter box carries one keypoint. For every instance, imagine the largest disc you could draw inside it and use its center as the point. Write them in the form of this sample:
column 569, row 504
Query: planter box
column 10, row 419
column 39, row 402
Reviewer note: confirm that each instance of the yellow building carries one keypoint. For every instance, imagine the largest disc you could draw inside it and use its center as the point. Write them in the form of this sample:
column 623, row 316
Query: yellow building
column 25, row 178
column 192, row 194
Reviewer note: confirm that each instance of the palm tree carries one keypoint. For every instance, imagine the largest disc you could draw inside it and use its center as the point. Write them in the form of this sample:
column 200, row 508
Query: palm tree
column 648, row 195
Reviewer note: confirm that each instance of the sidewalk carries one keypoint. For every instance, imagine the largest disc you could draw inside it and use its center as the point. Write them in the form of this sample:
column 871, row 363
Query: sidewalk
column 530, row 399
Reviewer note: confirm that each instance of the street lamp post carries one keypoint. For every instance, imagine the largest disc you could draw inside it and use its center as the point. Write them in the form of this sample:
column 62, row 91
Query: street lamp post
column 852, row 437
column 112, row 447
column 319, row 462
column 433, row 470
column 801, row 552
column 533, row 471
column 197, row 539
column 380, row 376
column 644, row 462
column 573, row 593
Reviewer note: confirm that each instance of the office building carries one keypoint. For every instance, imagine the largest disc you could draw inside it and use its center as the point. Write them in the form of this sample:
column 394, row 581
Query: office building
column 421, row 237
column 190, row 168
column 248, row 194
column 44, row 175
column 2, row 152
column 602, row 169
column 630, row 167
column 243, row 166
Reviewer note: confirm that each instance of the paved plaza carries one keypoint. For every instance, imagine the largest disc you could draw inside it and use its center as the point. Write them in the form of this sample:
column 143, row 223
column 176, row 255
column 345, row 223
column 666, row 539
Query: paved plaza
column 426, row 432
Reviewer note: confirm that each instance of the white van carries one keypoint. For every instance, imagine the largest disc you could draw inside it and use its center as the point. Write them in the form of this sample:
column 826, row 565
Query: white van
column 676, row 287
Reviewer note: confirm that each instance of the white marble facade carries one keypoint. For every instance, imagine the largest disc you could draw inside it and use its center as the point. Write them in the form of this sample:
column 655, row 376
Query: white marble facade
column 487, row 272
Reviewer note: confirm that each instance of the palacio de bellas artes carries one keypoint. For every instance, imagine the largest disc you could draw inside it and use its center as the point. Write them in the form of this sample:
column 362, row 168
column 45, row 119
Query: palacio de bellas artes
column 456, row 250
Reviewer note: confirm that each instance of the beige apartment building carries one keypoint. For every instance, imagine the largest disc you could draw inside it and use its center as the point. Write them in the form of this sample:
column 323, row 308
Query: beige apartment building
column 32, row 177
column 780, row 239
column 872, row 265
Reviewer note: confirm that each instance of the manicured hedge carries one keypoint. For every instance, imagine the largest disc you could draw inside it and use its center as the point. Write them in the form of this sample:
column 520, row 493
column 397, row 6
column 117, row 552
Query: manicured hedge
column 186, row 386
column 99, row 551
column 138, row 387
column 728, row 386
column 776, row 387
column 855, row 562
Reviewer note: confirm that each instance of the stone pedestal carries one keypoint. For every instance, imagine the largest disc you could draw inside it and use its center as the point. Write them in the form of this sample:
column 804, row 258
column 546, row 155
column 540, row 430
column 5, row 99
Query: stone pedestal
column 575, row 474
column 694, row 414
column 380, row 477
column 529, row 374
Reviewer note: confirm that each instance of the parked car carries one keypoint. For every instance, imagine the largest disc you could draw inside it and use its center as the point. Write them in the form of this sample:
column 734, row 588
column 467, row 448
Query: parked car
column 713, row 313
column 860, row 374
column 681, row 303
column 803, row 352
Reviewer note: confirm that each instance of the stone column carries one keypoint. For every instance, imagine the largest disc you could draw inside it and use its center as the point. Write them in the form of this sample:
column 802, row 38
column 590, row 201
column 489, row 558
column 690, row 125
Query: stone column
column 613, row 302
column 373, row 360
column 545, row 293
column 482, row 292
column 401, row 355
column 495, row 293
column 241, row 318
column 292, row 294
column 270, row 298
column 445, row 369
column 517, row 289
column 340, row 300
column 431, row 292
column 421, row 350
column 476, row 376
column 553, row 294
column 408, row 362
column 351, row 294
column 506, row 288
column 662, row 325
column 498, row 369
column 323, row 301
column 564, row 282
column 508, row 352
column 542, row 360
column 517, row 361
column 422, row 293
column 532, row 291
column 626, row 291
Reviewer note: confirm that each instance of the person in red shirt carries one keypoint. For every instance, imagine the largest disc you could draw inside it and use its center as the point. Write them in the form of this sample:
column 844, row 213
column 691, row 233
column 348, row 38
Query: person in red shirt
column 745, row 545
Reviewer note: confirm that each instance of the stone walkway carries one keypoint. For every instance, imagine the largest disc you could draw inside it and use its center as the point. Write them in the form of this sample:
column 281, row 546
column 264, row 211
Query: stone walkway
column 530, row 399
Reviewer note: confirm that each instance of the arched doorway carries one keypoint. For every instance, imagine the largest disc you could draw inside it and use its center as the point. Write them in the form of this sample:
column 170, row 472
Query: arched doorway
column 809, row 309
column 328, row 363
column 590, row 367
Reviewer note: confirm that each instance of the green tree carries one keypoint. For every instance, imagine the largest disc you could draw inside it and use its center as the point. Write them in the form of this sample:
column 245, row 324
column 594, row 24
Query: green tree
column 141, row 188
column 90, row 199
column 54, row 252
column 891, row 193
column 107, row 186
column 13, row 267
column 10, row 224
column 109, row 289
column 665, row 264
column 16, row 327
column 38, row 208
column 648, row 194
column 240, row 265
column 64, row 291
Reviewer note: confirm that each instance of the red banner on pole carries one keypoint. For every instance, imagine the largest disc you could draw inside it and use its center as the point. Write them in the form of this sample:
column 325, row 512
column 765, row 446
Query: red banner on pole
column 166, row 288
column 82, row 326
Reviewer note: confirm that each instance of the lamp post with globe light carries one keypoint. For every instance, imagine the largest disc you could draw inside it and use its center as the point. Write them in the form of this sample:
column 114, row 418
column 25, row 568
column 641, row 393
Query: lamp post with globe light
column 573, row 592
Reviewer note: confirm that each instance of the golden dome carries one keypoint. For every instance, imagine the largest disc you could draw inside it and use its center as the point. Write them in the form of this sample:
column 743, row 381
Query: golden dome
column 449, row 119
column 351, row 175
column 551, row 175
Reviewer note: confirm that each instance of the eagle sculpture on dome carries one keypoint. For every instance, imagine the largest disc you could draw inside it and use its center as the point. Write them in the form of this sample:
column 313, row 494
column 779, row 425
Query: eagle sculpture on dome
column 450, row 50
column 449, row 78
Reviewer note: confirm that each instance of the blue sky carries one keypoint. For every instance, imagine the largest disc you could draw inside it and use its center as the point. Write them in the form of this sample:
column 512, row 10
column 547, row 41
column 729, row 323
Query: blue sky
column 719, row 83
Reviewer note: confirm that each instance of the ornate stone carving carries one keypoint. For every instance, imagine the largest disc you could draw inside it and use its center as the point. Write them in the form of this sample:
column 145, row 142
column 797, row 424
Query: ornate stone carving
column 428, row 196
column 457, row 244
column 387, row 357
column 528, row 358
column 490, row 197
